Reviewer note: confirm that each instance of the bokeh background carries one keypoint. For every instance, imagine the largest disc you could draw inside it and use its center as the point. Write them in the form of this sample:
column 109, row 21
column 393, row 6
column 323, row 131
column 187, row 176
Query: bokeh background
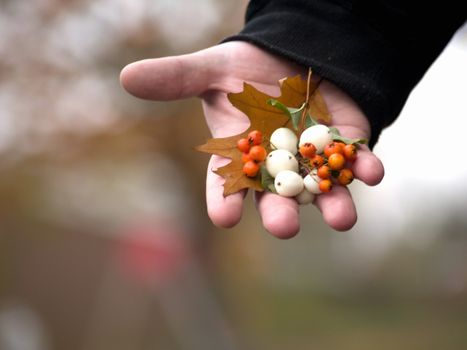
column 104, row 238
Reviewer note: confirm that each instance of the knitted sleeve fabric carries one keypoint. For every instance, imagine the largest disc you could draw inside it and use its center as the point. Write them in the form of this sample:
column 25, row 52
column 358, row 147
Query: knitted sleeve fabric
column 376, row 51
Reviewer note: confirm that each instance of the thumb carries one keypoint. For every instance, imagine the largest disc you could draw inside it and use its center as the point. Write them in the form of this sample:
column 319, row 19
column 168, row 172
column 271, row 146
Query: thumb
column 171, row 78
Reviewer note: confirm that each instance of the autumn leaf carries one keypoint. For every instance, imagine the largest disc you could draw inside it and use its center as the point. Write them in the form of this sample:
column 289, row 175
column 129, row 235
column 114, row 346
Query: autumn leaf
column 318, row 109
column 266, row 118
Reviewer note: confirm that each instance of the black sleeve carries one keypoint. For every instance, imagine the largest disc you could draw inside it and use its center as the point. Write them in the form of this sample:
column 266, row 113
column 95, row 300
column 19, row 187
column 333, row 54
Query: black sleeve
column 376, row 51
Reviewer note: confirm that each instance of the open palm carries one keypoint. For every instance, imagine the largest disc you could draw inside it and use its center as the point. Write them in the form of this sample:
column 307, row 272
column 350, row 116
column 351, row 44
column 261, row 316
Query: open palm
column 211, row 74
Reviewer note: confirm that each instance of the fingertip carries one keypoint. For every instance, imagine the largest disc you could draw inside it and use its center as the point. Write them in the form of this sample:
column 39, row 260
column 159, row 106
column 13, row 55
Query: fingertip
column 171, row 78
column 281, row 228
column 228, row 213
column 124, row 74
column 340, row 223
column 279, row 215
column 369, row 168
column 376, row 175
column 337, row 208
column 129, row 78
column 224, row 211
column 154, row 78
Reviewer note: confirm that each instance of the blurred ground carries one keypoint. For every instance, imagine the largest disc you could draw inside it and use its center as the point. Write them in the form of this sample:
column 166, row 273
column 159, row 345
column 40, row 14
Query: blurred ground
column 104, row 239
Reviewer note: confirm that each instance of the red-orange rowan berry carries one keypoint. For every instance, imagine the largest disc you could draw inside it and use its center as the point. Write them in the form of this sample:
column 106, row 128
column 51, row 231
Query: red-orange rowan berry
column 255, row 137
column 245, row 157
column 258, row 153
column 317, row 161
column 324, row 172
column 243, row 145
column 345, row 177
column 333, row 147
column 336, row 161
column 350, row 152
column 251, row 168
column 308, row 150
column 325, row 185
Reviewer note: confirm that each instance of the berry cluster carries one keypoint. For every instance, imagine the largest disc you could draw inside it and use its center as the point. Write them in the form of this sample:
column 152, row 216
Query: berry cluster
column 330, row 165
column 253, row 153
column 301, row 166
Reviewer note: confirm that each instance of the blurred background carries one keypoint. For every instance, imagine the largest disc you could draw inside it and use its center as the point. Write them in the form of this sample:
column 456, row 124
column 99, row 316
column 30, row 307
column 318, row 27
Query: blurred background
column 104, row 238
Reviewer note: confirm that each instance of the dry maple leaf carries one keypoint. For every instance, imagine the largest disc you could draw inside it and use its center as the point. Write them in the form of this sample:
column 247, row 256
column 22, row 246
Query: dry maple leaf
column 266, row 118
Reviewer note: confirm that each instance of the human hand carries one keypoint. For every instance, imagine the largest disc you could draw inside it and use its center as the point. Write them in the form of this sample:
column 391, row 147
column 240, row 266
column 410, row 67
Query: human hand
column 210, row 74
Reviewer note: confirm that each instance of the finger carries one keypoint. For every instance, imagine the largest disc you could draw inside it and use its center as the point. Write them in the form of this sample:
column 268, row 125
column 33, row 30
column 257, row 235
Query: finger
column 170, row 78
column 368, row 167
column 279, row 214
column 337, row 208
column 223, row 211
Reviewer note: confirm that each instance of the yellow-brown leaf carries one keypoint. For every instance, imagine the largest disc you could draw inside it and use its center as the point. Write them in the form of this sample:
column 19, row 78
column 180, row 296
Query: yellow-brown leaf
column 318, row 109
column 265, row 118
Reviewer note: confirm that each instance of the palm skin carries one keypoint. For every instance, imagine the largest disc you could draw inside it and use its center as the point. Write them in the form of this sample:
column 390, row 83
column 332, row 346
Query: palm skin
column 210, row 74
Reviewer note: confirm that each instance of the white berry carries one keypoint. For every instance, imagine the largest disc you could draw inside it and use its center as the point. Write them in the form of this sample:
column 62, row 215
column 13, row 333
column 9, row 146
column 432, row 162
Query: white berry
column 305, row 197
column 319, row 135
column 311, row 182
column 284, row 138
column 280, row 160
column 288, row 183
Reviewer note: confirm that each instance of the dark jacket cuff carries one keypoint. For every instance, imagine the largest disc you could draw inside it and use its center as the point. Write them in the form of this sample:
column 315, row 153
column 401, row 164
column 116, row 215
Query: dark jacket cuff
column 376, row 53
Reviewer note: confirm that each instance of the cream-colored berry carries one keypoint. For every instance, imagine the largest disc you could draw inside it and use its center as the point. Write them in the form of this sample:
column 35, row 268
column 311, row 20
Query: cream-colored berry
column 280, row 160
column 311, row 183
column 284, row 138
column 305, row 197
column 319, row 135
column 288, row 183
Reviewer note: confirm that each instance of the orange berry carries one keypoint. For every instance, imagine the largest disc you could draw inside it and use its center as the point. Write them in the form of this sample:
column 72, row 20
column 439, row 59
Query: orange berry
column 336, row 161
column 325, row 185
column 350, row 152
column 345, row 177
column 255, row 137
column 245, row 157
column 250, row 168
column 308, row 150
column 258, row 153
column 333, row 147
column 324, row 172
column 317, row 161
column 243, row 145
